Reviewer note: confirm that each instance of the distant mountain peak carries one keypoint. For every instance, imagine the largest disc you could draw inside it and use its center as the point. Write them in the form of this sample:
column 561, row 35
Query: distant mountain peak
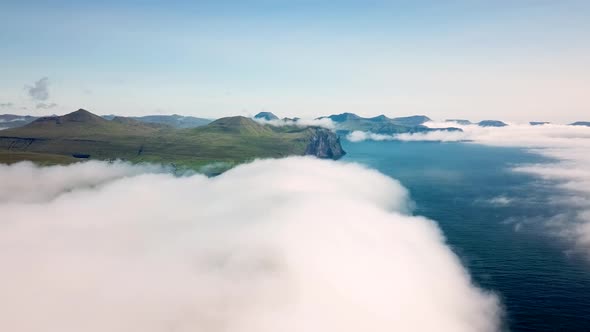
column 342, row 117
column 380, row 118
column 413, row 120
column 581, row 123
column 82, row 115
column 460, row 121
column 79, row 116
column 492, row 123
column 266, row 116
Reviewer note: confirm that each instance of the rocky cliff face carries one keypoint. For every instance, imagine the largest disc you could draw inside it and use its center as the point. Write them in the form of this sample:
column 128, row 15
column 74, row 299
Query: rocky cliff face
column 323, row 143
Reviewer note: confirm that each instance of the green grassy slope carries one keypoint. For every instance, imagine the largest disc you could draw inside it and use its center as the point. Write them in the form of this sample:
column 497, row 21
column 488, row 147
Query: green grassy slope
column 81, row 133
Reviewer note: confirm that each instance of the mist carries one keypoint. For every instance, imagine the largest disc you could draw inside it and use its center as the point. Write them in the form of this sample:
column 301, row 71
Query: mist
column 567, row 145
column 295, row 244
column 323, row 122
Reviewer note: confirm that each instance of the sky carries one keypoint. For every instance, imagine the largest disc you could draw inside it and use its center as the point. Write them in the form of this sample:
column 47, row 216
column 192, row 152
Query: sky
column 510, row 60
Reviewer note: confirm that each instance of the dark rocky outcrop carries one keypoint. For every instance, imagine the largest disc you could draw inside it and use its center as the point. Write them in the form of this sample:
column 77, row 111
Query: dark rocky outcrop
column 324, row 144
column 581, row 123
column 538, row 123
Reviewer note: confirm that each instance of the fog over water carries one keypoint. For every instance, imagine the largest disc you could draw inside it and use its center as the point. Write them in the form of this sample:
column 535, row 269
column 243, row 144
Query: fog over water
column 295, row 244
column 567, row 145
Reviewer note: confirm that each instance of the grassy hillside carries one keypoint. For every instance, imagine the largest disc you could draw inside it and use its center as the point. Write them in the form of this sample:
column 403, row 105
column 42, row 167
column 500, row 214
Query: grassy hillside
column 81, row 134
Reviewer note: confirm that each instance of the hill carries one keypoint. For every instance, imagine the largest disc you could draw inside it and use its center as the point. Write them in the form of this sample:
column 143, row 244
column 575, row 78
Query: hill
column 266, row 116
column 83, row 135
column 174, row 120
column 348, row 122
column 580, row 123
column 414, row 120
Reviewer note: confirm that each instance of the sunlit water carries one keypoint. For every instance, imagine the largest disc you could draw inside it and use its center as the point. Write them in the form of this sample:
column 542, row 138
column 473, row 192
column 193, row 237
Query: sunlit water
column 495, row 220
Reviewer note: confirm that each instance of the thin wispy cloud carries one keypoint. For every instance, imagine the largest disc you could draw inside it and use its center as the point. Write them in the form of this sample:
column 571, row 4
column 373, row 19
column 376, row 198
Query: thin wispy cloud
column 39, row 91
column 45, row 106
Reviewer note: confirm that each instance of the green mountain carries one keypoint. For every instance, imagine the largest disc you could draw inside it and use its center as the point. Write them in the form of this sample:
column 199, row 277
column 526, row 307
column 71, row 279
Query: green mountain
column 81, row 134
column 414, row 120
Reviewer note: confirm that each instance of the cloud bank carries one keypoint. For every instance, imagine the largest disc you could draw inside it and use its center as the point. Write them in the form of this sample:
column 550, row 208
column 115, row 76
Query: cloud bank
column 568, row 145
column 324, row 123
column 296, row 244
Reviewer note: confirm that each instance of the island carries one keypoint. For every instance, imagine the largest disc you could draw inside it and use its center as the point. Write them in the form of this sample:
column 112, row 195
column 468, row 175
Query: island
column 381, row 124
column 82, row 135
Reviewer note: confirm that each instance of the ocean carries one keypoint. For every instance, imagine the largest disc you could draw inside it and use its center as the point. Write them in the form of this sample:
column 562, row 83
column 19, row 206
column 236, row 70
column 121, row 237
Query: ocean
column 496, row 221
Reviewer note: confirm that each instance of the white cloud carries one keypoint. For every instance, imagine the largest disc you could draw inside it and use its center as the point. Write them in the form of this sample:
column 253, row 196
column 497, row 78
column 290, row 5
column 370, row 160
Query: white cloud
column 296, row 244
column 568, row 145
column 500, row 201
column 26, row 182
column 40, row 90
column 358, row 136
column 324, row 123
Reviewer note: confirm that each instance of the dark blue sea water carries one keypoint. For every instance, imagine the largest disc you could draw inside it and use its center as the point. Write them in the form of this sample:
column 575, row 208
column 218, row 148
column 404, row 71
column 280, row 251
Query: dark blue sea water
column 495, row 220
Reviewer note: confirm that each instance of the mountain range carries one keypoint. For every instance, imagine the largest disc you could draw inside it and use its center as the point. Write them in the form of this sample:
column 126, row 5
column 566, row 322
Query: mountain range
column 348, row 122
column 230, row 140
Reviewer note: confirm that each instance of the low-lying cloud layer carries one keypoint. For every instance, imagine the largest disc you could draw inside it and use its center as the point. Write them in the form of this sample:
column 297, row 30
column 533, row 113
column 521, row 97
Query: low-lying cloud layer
column 296, row 244
column 324, row 123
column 569, row 145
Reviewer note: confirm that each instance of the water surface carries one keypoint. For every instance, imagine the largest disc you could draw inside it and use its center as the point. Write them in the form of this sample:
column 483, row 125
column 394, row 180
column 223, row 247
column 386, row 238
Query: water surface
column 495, row 220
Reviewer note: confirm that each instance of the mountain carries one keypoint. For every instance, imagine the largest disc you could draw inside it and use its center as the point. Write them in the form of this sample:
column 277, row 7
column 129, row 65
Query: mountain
column 538, row 123
column 174, row 120
column 460, row 121
column 581, row 123
column 83, row 135
column 339, row 118
column 13, row 120
column 348, row 122
column 491, row 123
column 266, row 116
column 414, row 120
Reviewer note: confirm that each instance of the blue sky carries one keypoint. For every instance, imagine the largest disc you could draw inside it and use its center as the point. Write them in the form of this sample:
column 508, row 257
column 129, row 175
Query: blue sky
column 513, row 60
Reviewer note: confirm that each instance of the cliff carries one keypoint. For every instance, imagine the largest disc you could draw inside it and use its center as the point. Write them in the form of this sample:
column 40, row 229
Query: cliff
column 324, row 144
